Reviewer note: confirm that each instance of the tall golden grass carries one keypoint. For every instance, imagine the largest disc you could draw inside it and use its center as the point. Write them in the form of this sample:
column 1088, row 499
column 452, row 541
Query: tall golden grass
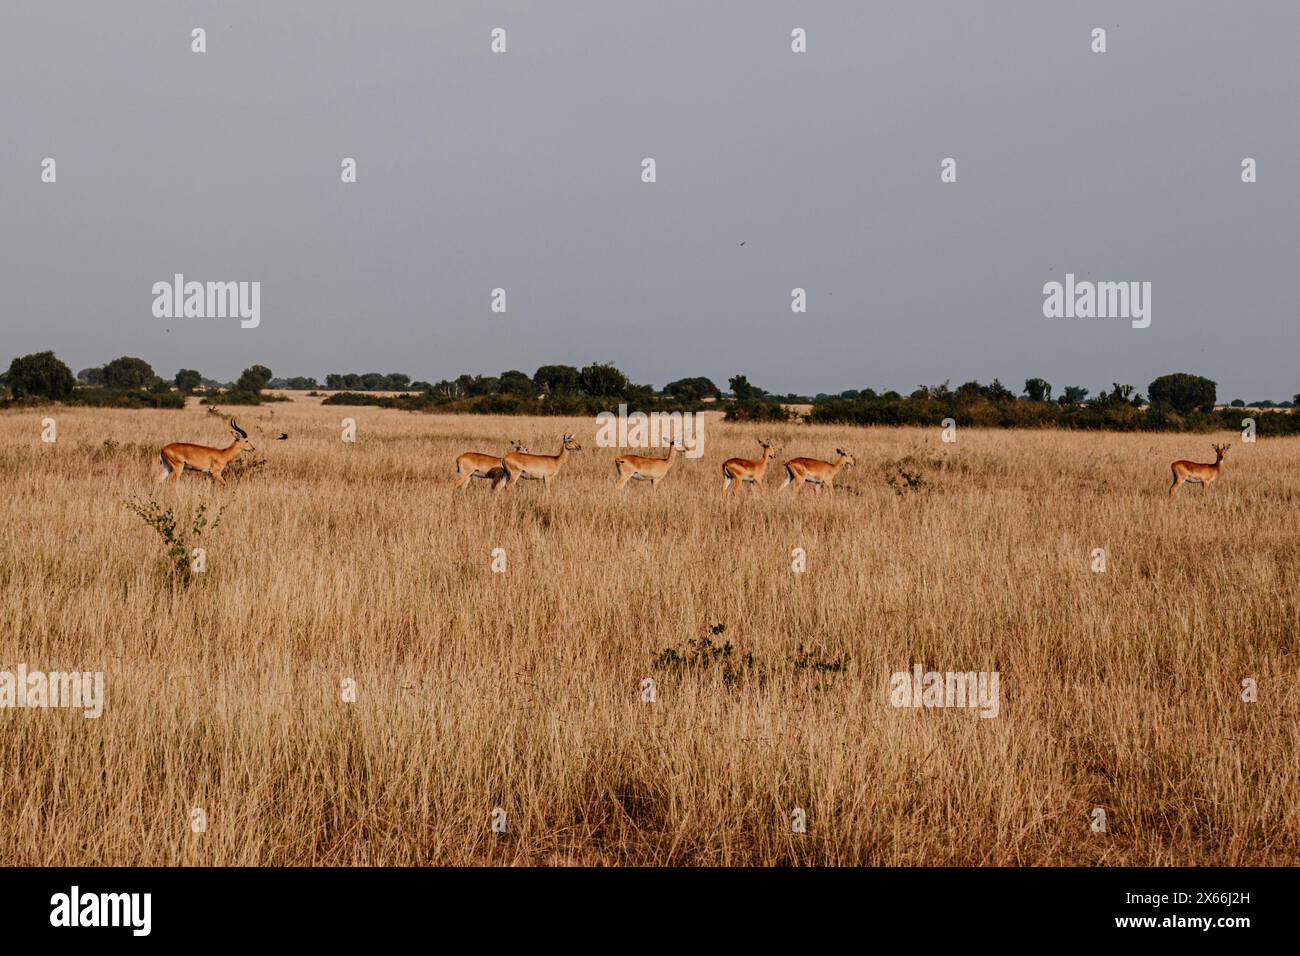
column 520, row 690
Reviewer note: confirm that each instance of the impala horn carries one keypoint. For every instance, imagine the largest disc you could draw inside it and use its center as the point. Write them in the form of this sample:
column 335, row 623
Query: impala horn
column 237, row 430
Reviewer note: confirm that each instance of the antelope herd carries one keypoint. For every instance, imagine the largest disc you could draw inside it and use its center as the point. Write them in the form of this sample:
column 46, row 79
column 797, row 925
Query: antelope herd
column 506, row 471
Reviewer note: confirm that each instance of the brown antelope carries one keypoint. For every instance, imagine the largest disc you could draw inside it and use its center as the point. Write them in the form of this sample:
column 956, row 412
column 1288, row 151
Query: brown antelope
column 177, row 456
column 1204, row 475
column 737, row 471
column 816, row 472
column 474, row 464
column 543, row 468
column 639, row 468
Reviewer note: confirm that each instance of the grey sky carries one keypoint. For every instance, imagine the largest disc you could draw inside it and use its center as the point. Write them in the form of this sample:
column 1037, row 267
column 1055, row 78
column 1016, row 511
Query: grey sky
column 522, row 171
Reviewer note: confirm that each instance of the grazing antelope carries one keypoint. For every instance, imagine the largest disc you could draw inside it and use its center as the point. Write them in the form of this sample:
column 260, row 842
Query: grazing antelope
column 639, row 468
column 737, row 471
column 543, row 468
column 179, row 455
column 815, row 471
column 1204, row 475
column 473, row 464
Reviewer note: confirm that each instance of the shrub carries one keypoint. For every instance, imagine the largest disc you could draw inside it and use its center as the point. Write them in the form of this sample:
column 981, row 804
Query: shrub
column 40, row 375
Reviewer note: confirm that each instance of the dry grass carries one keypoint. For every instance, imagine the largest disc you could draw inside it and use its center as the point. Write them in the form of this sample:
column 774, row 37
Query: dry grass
column 477, row 689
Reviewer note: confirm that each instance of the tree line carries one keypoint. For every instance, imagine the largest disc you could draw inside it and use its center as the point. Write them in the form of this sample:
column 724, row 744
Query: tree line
column 1178, row 401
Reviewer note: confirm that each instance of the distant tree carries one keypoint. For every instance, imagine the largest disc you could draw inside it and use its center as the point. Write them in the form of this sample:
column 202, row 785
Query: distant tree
column 691, row 389
column 128, row 372
column 741, row 388
column 603, row 380
column 515, row 382
column 967, row 391
column 39, row 374
column 998, row 392
column 91, row 376
column 556, row 379
column 398, row 382
column 1183, row 391
column 447, row 389
column 253, row 379
column 1038, row 390
column 850, row 394
column 373, row 380
column 1118, row 395
column 1237, row 403
column 187, row 380
column 1073, row 395
column 1295, row 399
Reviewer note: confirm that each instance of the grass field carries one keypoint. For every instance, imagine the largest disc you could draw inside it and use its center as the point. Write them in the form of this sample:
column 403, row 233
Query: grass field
column 521, row 690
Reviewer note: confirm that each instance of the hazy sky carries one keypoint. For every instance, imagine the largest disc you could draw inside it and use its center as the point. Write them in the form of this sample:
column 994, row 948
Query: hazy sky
column 523, row 171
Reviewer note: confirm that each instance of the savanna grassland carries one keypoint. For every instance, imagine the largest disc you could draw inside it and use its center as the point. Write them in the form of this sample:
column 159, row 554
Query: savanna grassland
column 521, row 690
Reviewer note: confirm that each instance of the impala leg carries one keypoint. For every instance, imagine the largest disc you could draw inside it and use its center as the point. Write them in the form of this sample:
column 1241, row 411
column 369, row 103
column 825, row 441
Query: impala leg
column 462, row 481
column 176, row 471
column 216, row 473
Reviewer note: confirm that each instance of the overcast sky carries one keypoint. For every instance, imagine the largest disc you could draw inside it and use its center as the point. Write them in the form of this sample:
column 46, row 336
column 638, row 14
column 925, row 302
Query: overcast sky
column 523, row 171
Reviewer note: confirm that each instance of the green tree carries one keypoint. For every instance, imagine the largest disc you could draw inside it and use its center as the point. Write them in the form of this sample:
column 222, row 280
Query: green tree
column 1073, row 395
column 128, row 372
column 515, row 382
column 1183, row 391
column 556, row 379
column 691, row 389
column 1038, row 390
column 91, row 376
column 740, row 388
column 603, row 380
column 40, row 374
column 187, row 380
column 253, row 379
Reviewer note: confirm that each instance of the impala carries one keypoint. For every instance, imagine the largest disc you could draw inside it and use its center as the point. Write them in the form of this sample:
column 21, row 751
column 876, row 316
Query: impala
column 815, row 471
column 474, row 464
column 177, row 456
column 639, row 468
column 1203, row 475
column 543, row 468
column 737, row 471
